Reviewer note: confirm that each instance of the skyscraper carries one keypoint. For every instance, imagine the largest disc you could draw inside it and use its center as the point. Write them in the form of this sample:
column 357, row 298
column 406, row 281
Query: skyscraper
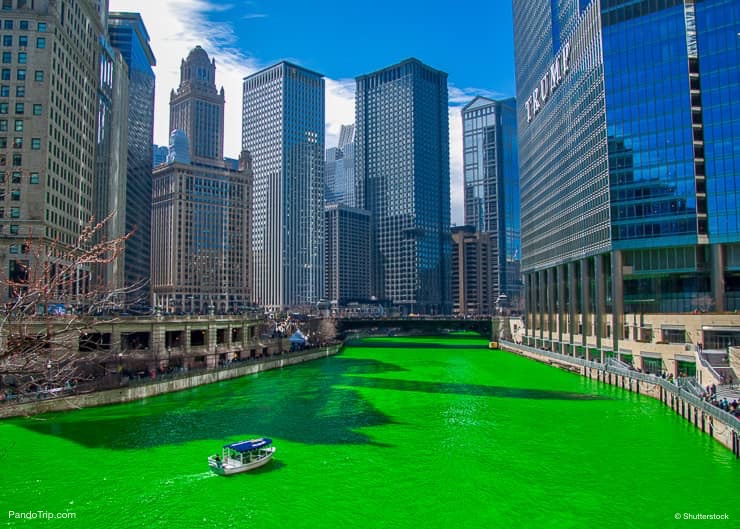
column 201, row 207
column 49, row 108
column 403, row 179
column 128, row 34
column 198, row 108
column 630, row 211
column 347, row 254
column 283, row 131
column 339, row 172
column 491, row 172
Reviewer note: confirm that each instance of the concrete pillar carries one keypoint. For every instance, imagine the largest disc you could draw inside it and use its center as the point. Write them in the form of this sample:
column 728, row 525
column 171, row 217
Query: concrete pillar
column 600, row 301
column 541, row 297
column 717, row 276
column 586, row 298
column 617, row 297
column 562, row 316
column 550, row 286
column 573, row 300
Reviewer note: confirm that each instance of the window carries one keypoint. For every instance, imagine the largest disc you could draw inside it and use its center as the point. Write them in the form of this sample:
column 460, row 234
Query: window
column 42, row 27
column 2, row 159
column 22, row 57
column 17, row 160
column 23, row 23
column 13, row 248
column 37, row 108
column 3, row 142
column 2, row 213
column 2, row 194
column 16, row 178
column 7, row 5
column 14, row 230
column 8, row 24
column 5, row 74
column 34, row 178
column 18, row 125
column 23, row 41
column 20, row 91
column 7, row 40
column 4, row 91
column 15, row 213
column 38, row 75
column 21, row 74
column 3, row 108
column 20, row 108
column 35, row 144
column 17, row 143
column 41, row 42
column 15, row 195
column 7, row 57
column 3, row 125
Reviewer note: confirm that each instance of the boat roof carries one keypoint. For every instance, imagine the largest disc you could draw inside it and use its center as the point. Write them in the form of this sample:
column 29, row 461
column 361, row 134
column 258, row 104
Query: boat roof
column 252, row 444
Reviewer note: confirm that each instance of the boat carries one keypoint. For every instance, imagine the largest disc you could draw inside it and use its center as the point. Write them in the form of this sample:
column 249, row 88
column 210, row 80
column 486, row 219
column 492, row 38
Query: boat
column 242, row 456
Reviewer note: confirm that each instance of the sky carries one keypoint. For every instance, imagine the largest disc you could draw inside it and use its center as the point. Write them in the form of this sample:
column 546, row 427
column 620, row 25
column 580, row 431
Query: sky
column 471, row 40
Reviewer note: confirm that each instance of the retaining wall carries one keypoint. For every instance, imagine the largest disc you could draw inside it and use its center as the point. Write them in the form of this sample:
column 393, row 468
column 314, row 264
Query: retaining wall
column 130, row 393
column 713, row 421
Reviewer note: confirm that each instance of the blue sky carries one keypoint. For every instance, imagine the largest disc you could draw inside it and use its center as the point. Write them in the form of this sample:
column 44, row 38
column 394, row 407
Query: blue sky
column 471, row 40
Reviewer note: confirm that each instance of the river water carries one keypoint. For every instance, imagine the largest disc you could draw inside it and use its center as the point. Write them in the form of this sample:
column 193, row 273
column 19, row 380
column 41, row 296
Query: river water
column 398, row 433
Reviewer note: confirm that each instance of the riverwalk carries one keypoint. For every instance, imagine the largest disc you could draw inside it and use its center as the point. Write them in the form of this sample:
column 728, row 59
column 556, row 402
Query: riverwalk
column 717, row 423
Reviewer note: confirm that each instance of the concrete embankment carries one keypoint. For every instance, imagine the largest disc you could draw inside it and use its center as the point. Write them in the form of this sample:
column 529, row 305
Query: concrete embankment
column 159, row 387
column 713, row 421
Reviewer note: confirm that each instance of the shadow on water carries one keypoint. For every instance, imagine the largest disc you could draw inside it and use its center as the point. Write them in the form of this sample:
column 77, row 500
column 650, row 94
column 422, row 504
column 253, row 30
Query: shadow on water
column 475, row 390
column 303, row 404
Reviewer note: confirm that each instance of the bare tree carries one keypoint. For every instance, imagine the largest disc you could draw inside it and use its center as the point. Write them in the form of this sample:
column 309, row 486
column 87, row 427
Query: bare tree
column 51, row 309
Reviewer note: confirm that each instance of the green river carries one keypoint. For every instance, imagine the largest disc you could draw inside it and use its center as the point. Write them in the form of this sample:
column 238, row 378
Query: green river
column 398, row 433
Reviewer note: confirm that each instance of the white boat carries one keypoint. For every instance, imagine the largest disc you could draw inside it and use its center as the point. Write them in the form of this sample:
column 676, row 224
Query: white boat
column 242, row 456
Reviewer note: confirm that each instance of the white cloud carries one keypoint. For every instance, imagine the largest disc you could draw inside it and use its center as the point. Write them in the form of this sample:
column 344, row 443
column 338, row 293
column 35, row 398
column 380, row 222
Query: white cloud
column 177, row 26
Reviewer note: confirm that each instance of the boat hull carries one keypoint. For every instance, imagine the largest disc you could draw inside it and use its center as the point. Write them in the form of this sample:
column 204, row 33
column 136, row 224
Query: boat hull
column 232, row 466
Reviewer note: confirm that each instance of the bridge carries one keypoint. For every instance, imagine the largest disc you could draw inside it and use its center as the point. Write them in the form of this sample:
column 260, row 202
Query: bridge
column 416, row 324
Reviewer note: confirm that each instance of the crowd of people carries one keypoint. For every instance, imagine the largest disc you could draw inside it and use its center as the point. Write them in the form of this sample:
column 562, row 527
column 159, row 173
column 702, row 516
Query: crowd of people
column 710, row 396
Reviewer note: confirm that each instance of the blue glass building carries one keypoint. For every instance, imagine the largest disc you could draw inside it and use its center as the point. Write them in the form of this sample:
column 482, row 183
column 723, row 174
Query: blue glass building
column 491, row 172
column 128, row 34
column 403, row 178
column 629, row 158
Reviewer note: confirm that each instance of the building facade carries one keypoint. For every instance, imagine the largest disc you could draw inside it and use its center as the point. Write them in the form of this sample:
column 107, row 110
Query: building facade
column 128, row 35
column 628, row 175
column 197, row 107
column 491, row 173
column 200, row 237
column 473, row 256
column 283, row 131
column 50, row 90
column 348, row 260
column 339, row 173
column 403, row 179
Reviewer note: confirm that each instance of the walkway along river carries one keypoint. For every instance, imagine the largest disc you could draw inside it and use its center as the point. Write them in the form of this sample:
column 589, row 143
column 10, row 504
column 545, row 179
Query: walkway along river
column 394, row 433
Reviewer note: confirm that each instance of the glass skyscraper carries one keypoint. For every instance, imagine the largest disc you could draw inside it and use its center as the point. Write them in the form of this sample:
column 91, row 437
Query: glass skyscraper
column 491, row 172
column 629, row 159
column 128, row 34
column 403, row 178
column 339, row 171
column 283, row 131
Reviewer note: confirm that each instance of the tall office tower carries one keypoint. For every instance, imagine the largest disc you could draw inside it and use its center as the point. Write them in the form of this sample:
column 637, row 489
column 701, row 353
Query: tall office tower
column 48, row 115
column 491, row 172
column 630, row 211
column 159, row 154
column 128, row 34
column 347, row 254
column 339, row 172
column 200, row 237
column 283, row 131
column 473, row 253
column 403, row 179
column 197, row 107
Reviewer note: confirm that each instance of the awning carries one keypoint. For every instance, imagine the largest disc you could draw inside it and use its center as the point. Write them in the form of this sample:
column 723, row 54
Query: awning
column 246, row 446
column 684, row 358
column 647, row 354
column 672, row 327
column 720, row 328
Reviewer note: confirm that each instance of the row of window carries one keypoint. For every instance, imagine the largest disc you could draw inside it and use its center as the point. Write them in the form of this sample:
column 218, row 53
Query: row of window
column 18, row 143
column 20, row 108
column 16, row 177
column 20, row 74
column 23, row 25
column 17, row 125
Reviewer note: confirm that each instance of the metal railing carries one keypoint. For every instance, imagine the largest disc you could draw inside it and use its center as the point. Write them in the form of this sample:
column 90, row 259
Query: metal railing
column 670, row 387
